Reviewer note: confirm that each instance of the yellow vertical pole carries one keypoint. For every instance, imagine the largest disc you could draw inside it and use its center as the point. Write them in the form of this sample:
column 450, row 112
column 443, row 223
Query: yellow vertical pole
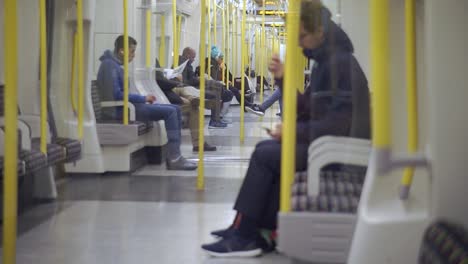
column 380, row 79
column 175, row 56
column 179, row 27
column 288, row 144
column 412, row 93
column 236, row 39
column 10, row 184
column 262, row 67
column 73, row 73
column 148, row 37
column 244, row 50
column 201, row 119
column 228, row 27
column 125, row 97
column 162, row 44
column 223, row 40
column 79, row 23
column 43, row 48
column 209, row 38
column 215, row 23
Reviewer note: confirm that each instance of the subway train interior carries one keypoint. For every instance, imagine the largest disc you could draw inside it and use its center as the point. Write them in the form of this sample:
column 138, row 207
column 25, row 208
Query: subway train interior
column 234, row 131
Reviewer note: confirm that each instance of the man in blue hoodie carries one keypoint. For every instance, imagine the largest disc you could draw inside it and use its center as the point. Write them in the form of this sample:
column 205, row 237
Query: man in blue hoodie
column 110, row 81
column 335, row 102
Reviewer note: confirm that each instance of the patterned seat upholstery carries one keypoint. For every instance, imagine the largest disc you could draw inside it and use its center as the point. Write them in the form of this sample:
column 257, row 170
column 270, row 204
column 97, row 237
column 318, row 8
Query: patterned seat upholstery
column 444, row 243
column 72, row 148
column 55, row 153
column 339, row 191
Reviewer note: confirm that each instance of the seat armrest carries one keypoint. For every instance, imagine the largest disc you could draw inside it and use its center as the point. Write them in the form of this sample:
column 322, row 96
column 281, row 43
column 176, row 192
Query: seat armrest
column 131, row 107
column 25, row 134
column 34, row 122
column 349, row 151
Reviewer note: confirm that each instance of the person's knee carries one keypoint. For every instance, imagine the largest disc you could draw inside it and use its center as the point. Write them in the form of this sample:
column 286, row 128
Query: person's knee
column 267, row 152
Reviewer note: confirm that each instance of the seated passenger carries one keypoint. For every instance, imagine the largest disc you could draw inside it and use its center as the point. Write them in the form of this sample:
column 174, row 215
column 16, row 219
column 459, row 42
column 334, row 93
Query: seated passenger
column 110, row 81
column 217, row 65
column 325, row 108
column 214, row 90
column 177, row 94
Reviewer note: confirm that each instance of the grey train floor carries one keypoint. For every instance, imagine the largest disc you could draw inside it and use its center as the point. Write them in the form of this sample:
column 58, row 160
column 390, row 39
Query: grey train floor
column 151, row 216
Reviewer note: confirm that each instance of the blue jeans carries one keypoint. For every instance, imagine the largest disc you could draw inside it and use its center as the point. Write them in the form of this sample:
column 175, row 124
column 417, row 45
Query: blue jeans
column 172, row 119
column 275, row 96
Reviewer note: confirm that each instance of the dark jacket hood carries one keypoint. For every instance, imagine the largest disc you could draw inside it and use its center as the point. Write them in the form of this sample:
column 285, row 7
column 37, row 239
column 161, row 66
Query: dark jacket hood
column 109, row 55
column 335, row 40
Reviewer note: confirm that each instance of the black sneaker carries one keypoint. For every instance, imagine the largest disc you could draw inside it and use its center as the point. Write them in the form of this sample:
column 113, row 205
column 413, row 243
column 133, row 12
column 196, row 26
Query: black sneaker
column 234, row 246
column 255, row 109
column 223, row 233
column 266, row 242
column 207, row 147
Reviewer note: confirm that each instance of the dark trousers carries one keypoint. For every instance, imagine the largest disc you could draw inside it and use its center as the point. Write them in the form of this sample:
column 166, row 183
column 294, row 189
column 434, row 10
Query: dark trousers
column 258, row 197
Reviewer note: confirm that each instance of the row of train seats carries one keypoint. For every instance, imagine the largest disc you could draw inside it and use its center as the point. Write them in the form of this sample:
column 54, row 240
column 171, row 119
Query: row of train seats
column 125, row 147
column 324, row 201
column 35, row 169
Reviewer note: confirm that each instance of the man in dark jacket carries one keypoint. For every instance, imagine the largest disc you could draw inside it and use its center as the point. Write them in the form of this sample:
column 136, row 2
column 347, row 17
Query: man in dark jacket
column 335, row 101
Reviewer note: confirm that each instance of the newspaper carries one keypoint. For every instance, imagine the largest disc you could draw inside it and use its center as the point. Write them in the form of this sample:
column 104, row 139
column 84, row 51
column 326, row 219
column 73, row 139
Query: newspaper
column 173, row 73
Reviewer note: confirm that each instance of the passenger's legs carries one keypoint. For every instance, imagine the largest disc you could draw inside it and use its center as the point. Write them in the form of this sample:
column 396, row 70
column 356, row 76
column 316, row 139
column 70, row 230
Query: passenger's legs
column 173, row 120
column 275, row 96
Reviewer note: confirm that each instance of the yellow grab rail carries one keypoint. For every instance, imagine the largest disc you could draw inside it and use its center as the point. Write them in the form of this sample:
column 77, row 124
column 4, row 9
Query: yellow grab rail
column 244, row 50
column 43, row 49
column 288, row 144
column 236, row 39
column 209, row 39
column 10, row 184
column 215, row 23
column 262, row 41
column 162, row 46
column 179, row 27
column 411, row 89
column 79, row 29
column 73, row 73
column 223, row 42
column 380, row 79
column 175, row 52
column 201, row 117
column 125, row 96
column 148, row 37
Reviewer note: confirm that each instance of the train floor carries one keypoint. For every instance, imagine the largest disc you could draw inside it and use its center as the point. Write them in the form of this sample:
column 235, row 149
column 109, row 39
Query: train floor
column 150, row 216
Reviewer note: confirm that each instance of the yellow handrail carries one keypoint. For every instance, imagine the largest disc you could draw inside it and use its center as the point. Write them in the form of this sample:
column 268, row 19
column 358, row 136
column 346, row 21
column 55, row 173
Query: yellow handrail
column 179, row 27
column 215, row 23
column 223, row 47
column 43, row 48
column 73, row 73
column 162, row 46
column 236, row 39
column 244, row 4
column 262, row 41
column 79, row 29
column 209, row 39
column 288, row 144
column 125, row 97
column 10, row 184
column 201, row 117
column 175, row 52
column 227, row 58
column 148, row 37
column 380, row 79
column 411, row 89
